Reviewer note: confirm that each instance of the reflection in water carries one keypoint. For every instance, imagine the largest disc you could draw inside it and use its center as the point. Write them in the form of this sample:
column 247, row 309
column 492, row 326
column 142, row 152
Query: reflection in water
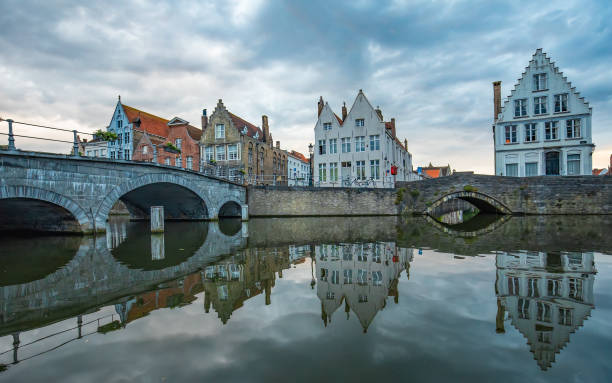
column 548, row 296
column 545, row 295
column 361, row 275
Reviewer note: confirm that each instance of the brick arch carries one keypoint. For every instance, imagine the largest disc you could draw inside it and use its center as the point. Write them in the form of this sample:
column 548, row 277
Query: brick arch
column 149, row 179
column 33, row 193
column 482, row 201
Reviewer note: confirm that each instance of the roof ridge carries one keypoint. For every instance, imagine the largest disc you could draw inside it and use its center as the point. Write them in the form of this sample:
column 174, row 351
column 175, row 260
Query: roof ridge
column 143, row 112
column 242, row 119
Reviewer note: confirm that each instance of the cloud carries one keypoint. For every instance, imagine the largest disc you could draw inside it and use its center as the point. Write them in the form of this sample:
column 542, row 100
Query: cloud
column 429, row 64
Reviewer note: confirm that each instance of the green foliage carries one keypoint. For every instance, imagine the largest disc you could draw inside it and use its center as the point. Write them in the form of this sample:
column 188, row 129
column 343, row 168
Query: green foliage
column 169, row 146
column 414, row 193
column 106, row 136
column 469, row 188
column 112, row 326
column 400, row 195
column 428, row 203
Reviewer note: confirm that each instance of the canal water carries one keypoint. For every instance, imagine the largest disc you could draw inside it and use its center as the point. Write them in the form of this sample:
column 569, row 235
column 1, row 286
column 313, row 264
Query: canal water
column 524, row 299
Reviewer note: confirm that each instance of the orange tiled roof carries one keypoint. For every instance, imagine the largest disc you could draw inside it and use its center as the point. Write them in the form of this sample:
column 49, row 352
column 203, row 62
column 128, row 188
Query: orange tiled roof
column 433, row 173
column 240, row 123
column 339, row 119
column 152, row 123
column 299, row 156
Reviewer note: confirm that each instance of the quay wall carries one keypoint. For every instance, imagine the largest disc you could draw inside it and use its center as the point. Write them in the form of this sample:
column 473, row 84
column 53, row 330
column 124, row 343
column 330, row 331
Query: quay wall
column 283, row 201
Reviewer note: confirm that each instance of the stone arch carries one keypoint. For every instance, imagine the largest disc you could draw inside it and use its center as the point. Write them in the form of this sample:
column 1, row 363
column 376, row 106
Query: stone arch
column 149, row 179
column 229, row 206
column 36, row 194
column 482, row 201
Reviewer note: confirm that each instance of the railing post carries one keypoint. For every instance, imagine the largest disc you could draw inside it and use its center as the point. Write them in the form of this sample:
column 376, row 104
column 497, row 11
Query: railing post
column 154, row 153
column 75, row 147
column 16, row 343
column 11, row 138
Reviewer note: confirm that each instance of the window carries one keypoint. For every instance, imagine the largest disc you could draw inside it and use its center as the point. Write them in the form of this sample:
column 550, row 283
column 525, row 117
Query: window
column 374, row 142
column 544, row 312
column 360, row 144
column 330, row 295
column 362, row 298
column 539, row 105
column 520, row 107
column 177, row 161
column 126, row 137
column 232, row 152
column 361, row 170
column 119, row 123
column 561, row 103
column 119, row 139
column 321, row 146
column 333, row 146
column 377, row 278
column 126, row 154
column 511, row 136
column 575, row 288
column 359, row 122
column 333, row 172
column 362, row 276
column 573, row 128
column 222, row 292
column 178, row 143
column 219, row 131
column 512, row 170
column 532, row 287
column 530, row 133
column 327, row 126
column 190, row 163
column 375, row 169
column 322, row 173
column 335, row 277
column 346, row 145
column 250, row 155
column 544, row 336
column 565, row 316
column 523, row 307
column 145, row 149
column 551, row 132
column 531, row 169
column 513, row 286
column 554, row 288
column 209, row 153
column 167, row 161
column 112, row 154
column 573, row 164
column 539, row 81
column 348, row 276
column 220, row 149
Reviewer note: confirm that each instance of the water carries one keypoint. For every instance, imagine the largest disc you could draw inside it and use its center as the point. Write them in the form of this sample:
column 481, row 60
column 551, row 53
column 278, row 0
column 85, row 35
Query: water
column 311, row 299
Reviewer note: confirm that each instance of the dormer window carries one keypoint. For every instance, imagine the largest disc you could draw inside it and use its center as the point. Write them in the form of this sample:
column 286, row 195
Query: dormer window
column 256, row 135
column 327, row 126
column 244, row 130
column 359, row 122
column 539, row 82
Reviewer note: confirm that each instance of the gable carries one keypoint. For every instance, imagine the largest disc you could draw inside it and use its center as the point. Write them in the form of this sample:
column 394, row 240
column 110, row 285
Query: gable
column 557, row 83
column 177, row 121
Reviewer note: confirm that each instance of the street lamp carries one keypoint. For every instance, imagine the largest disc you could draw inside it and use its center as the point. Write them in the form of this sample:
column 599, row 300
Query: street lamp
column 311, row 152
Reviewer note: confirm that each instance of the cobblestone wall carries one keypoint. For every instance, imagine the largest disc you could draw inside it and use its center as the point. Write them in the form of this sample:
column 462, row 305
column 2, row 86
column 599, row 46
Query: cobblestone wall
column 304, row 201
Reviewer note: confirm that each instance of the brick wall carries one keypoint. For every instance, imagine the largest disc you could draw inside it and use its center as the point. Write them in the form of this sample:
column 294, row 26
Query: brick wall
column 304, row 201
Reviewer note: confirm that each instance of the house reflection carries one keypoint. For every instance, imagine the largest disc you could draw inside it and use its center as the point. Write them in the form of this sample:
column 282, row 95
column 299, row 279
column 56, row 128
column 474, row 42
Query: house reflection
column 360, row 275
column 547, row 296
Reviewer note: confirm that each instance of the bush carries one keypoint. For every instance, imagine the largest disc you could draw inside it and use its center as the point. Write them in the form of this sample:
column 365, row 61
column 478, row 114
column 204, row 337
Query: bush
column 469, row 188
column 106, row 136
column 414, row 193
column 400, row 196
column 169, row 146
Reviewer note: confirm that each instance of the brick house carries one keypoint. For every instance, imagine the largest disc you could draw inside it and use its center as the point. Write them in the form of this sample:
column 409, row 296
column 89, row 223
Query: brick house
column 234, row 148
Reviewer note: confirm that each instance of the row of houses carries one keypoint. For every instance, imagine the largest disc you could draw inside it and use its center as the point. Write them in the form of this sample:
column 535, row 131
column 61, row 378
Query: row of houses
column 225, row 146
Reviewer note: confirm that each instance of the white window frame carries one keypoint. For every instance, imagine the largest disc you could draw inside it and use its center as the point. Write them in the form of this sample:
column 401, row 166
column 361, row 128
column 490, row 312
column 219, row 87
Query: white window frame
column 575, row 162
column 359, row 144
column 327, row 126
column 220, row 153
column 219, row 131
column 374, row 142
column 322, row 172
column 540, row 81
column 346, row 144
column 520, row 106
column 531, row 132
column 510, row 134
column 375, row 169
column 360, row 172
column 551, row 130
column 233, row 156
column 540, row 105
column 333, row 145
column 573, row 128
column 322, row 147
column 561, row 103
column 189, row 162
column 333, row 172
column 359, row 122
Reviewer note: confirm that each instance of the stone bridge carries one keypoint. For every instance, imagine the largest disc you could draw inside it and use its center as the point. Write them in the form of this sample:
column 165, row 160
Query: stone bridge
column 510, row 195
column 59, row 193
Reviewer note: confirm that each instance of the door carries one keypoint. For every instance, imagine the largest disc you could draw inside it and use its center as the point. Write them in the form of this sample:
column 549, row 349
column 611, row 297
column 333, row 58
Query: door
column 345, row 173
column 552, row 163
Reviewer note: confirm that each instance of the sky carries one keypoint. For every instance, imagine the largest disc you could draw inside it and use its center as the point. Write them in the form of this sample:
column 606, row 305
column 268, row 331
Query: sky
column 429, row 64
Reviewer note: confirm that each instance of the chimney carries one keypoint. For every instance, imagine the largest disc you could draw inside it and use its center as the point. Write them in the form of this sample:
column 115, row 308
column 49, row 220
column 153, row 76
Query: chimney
column 266, row 129
column 277, row 144
column 204, row 120
column 344, row 113
column 379, row 112
column 406, row 144
column 320, row 106
column 393, row 127
column 496, row 99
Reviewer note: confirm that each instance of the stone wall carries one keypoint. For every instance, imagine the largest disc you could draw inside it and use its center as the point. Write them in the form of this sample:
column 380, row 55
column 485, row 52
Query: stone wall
column 265, row 201
column 525, row 195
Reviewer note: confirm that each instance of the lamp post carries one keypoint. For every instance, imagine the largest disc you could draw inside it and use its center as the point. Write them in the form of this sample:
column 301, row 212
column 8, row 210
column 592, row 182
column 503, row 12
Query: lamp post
column 311, row 152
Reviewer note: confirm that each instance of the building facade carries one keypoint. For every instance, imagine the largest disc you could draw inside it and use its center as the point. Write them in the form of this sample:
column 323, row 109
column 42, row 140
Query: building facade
column 143, row 136
column 544, row 126
column 298, row 169
column 93, row 148
column 234, row 148
column 360, row 149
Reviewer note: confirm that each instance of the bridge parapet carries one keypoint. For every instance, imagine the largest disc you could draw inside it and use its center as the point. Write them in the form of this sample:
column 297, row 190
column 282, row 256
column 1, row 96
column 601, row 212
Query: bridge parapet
column 512, row 195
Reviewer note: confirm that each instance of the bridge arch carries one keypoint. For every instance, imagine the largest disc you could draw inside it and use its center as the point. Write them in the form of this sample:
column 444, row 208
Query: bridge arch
column 155, row 183
column 53, row 212
column 483, row 202
column 230, row 209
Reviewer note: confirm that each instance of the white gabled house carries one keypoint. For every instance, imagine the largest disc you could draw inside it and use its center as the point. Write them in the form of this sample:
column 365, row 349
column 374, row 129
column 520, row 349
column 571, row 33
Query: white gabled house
column 360, row 149
column 544, row 126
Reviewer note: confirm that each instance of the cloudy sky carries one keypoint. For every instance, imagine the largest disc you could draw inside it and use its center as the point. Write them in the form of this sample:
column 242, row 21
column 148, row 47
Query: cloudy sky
column 429, row 64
